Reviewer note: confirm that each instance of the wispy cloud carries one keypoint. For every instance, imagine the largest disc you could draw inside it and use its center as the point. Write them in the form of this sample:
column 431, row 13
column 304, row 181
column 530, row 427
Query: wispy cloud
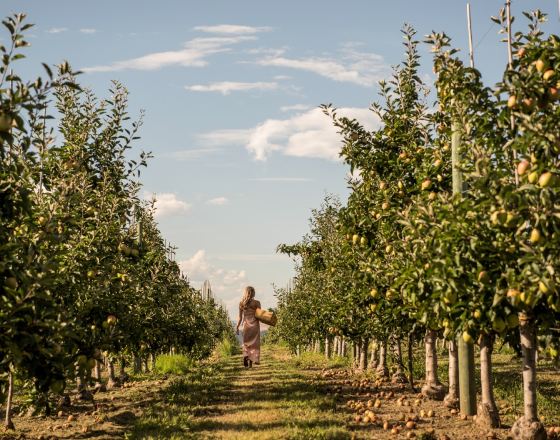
column 167, row 204
column 281, row 179
column 191, row 154
column 194, row 54
column 232, row 29
column 226, row 87
column 351, row 65
column 295, row 107
column 218, row 201
column 56, row 30
column 219, row 138
column 88, row 31
column 309, row 134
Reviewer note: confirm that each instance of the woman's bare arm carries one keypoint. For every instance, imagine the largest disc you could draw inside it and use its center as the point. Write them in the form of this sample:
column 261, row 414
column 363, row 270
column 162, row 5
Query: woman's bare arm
column 239, row 321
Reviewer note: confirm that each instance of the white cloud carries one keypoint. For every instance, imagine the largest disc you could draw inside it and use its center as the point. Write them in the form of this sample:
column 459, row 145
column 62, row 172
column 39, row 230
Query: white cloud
column 227, row 284
column 56, row 30
column 295, row 107
column 232, row 29
column 88, row 31
column 218, row 201
column 226, row 87
column 280, row 179
column 362, row 68
column 218, row 138
column 194, row 54
column 167, row 204
column 310, row 134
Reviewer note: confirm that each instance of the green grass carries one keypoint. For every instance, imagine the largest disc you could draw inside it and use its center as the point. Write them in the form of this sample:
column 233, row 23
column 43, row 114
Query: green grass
column 508, row 382
column 310, row 360
column 227, row 347
column 173, row 364
column 224, row 400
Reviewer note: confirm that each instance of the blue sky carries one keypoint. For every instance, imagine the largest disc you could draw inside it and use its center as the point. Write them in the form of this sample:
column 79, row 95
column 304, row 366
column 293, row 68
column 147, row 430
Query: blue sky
column 231, row 89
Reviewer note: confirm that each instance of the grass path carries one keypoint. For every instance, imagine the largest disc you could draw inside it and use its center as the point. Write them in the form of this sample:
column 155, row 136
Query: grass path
column 271, row 401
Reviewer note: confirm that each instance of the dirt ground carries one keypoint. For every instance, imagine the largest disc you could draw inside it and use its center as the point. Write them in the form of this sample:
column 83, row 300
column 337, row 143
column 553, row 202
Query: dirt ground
column 108, row 417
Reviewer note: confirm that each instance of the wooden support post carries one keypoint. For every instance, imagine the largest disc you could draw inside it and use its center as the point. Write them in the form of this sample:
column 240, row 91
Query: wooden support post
column 467, row 390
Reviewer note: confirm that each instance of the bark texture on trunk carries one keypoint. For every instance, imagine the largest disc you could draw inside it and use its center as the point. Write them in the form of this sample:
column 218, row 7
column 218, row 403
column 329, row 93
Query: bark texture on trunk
column 80, row 385
column 8, row 423
column 363, row 355
column 452, row 398
column 327, row 348
column 97, row 371
column 344, row 349
column 529, row 427
column 137, row 364
column 382, row 369
column 399, row 376
column 112, row 382
column 487, row 414
column 355, row 355
column 432, row 389
column 373, row 356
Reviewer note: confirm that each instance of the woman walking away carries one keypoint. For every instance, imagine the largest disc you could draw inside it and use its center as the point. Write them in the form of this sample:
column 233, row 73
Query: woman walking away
column 251, row 327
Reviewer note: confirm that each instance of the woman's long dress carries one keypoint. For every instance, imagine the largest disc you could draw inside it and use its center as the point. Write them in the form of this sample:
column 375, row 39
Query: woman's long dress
column 251, row 333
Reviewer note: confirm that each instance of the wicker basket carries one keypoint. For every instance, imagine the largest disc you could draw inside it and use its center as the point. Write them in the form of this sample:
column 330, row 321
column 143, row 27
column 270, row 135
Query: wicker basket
column 266, row 317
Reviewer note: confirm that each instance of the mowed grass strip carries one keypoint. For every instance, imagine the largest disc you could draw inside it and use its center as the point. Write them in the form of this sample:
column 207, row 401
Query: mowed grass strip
column 273, row 400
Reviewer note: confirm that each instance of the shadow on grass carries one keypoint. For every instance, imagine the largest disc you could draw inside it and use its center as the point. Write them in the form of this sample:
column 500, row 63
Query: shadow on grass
column 192, row 407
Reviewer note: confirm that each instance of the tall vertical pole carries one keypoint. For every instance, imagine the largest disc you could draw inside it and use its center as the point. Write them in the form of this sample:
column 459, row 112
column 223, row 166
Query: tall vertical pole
column 508, row 18
column 510, row 64
column 467, row 390
column 469, row 25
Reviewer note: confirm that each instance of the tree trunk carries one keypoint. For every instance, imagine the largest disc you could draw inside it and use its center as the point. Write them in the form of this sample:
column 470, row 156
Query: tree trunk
column 98, row 371
column 488, row 414
column 399, row 376
column 80, row 385
column 529, row 427
column 382, row 369
column 411, row 362
column 327, row 348
column 317, row 346
column 137, row 364
column 373, row 357
column 8, row 423
column 146, row 366
column 112, row 382
column 122, row 365
column 363, row 355
column 452, row 398
column 432, row 389
column 153, row 361
column 344, row 349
